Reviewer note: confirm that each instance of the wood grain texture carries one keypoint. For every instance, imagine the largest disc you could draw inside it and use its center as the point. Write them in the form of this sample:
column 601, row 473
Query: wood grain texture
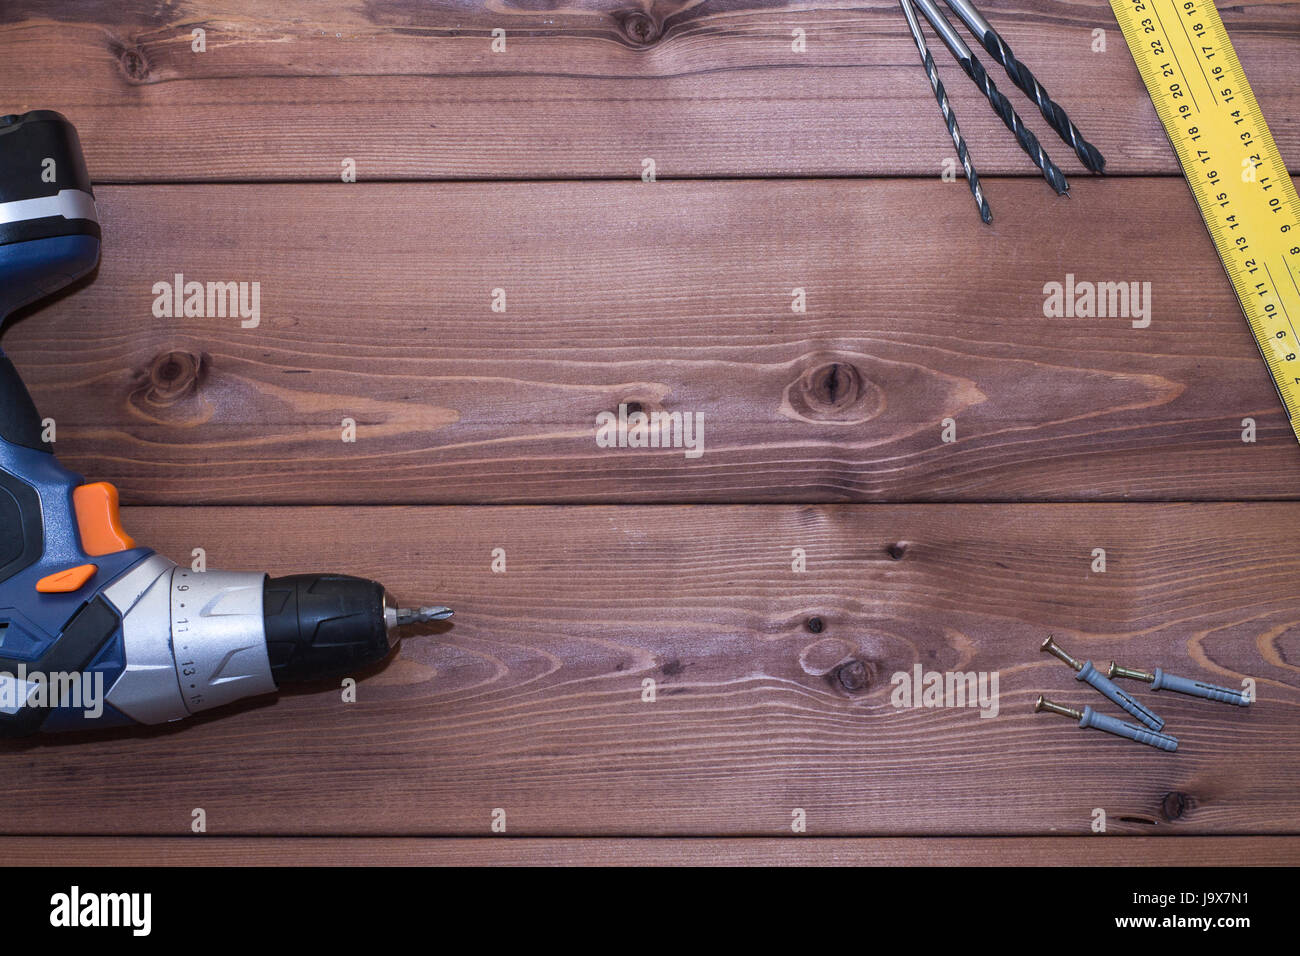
column 661, row 851
column 531, row 700
column 410, row 89
column 375, row 306
column 772, row 687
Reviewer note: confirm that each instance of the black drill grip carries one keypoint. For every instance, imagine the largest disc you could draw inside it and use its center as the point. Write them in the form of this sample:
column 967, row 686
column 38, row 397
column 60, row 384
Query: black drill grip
column 321, row 626
column 21, row 534
column 20, row 423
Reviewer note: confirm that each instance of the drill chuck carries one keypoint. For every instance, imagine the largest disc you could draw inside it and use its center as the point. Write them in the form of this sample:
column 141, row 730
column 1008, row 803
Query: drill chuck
column 321, row 625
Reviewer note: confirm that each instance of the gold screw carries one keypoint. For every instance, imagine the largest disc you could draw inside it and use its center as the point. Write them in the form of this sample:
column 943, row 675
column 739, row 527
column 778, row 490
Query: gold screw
column 1044, row 704
column 1050, row 646
column 1116, row 671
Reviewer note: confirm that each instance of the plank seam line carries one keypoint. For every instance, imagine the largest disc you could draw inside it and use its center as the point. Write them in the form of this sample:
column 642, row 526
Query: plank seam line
column 705, row 503
column 1286, row 834
column 724, row 177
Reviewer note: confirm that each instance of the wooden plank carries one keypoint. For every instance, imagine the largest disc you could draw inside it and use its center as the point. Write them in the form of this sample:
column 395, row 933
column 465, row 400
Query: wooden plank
column 376, row 306
column 663, row 851
column 411, row 89
column 772, row 688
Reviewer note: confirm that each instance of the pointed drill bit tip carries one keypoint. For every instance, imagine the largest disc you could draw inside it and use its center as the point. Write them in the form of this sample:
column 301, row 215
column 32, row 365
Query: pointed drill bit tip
column 1058, row 182
column 422, row 615
column 1095, row 162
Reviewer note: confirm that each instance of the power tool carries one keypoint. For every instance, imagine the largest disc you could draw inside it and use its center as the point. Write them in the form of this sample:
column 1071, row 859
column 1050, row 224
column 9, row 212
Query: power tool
column 96, row 631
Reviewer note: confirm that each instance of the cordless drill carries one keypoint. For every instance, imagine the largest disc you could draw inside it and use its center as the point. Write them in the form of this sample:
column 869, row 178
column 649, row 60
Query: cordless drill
column 96, row 631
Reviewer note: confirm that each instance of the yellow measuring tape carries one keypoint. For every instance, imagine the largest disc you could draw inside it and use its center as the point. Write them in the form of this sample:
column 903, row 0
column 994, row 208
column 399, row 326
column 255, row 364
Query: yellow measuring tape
column 1236, row 173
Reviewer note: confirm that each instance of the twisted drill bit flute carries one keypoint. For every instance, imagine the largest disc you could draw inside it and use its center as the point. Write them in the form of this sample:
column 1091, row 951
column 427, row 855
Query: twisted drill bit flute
column 983, row 31
column 1001, row 105
column 949, row 117
column 420, row 615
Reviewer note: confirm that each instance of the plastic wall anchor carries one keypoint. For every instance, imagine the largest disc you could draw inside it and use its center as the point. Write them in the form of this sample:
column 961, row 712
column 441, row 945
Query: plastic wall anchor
column 1122, row 728
column 1193, row 688
column 1107, row 688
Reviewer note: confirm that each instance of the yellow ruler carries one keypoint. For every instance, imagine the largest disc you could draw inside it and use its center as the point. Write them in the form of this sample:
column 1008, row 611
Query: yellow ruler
column 1237, row 176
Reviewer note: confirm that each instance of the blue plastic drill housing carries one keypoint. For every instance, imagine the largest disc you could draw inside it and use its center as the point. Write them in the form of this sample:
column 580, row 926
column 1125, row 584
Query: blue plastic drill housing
column 46, row 243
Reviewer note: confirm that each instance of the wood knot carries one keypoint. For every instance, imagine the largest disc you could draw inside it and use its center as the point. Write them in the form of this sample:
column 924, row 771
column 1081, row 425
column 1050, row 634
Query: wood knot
column 640, row 28
column 897, row 550
column 172, row 377
column 816, row 625
column 835, row 392
column 852, row 676
column 1175, row 805
column 133, row 63
column 834, row 385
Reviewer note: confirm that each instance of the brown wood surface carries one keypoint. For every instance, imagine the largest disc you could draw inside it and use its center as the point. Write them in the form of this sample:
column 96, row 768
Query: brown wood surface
column 376, row 306
column 411, row 89
column 772, row 687
column 531, row 701
column 656, row 851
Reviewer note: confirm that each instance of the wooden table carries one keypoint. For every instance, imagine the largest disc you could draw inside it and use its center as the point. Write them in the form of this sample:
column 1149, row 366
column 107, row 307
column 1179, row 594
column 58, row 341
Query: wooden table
column 684, row 657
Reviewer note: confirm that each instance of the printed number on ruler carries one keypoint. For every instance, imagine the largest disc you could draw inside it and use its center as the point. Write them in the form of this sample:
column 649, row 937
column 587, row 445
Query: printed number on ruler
column 1237, row 176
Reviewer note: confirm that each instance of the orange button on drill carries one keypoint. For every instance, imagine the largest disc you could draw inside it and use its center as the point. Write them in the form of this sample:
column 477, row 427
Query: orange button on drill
column 98, row 519
column 66, row 581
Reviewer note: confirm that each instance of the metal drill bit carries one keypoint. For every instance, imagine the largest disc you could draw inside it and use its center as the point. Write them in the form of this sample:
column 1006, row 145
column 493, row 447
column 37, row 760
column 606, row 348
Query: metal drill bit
column 422, row 615
column 948, row 116
column 983, row 31
column 969, row 62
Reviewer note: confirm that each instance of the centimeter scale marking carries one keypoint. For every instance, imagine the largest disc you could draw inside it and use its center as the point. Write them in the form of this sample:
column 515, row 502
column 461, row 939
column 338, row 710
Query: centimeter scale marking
column 1236, row 174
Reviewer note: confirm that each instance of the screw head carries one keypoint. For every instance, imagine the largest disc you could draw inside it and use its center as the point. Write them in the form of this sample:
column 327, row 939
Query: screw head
column 1038, row 704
